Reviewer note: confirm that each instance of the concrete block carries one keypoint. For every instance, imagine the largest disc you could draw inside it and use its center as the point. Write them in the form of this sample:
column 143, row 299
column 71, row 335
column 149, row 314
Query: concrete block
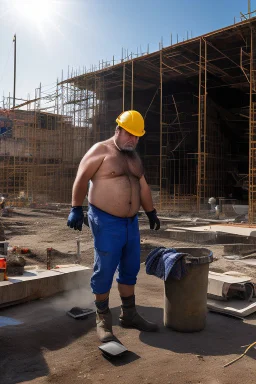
column 227, row 238
column 194, row 237
column 37, row 284
column 208, row 237
column 239, row 249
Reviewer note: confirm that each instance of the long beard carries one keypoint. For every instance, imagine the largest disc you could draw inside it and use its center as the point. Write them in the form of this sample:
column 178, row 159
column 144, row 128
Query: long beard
column 131, row 153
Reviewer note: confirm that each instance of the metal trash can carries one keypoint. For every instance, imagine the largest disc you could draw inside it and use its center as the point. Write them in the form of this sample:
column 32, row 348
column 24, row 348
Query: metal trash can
column 185, row 304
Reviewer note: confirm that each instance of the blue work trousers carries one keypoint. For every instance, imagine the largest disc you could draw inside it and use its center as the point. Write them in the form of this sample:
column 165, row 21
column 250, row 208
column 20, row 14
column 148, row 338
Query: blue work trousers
column 116, row 247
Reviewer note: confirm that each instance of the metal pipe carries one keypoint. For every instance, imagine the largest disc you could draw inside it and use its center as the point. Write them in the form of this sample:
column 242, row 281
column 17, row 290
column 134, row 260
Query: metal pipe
column 78, row 252
column 199, row 130
column 132, row 89
column 205, row 112
column 161, row 126
column 49, row 258
column 123, row 85
column 251, row 152
column 14, row 77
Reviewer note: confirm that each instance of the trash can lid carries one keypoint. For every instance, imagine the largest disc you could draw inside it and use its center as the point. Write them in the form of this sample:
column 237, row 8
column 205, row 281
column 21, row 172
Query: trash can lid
column 197, row 255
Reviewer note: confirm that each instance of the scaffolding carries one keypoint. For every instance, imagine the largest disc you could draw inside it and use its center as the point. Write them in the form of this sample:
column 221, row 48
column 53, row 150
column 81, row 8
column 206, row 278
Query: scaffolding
column 38, row 156
column 198, row 100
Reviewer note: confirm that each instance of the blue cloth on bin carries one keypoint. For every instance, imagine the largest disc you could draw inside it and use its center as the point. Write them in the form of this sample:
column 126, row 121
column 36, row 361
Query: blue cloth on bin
column 162, row 262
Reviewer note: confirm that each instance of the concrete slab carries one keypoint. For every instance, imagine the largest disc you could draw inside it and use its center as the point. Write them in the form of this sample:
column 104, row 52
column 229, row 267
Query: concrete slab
column 239, row 249
column 41, row 283
column 236, row 308
column 241, row 231
column 182, row 234
column 250, row 262
column 229, row 277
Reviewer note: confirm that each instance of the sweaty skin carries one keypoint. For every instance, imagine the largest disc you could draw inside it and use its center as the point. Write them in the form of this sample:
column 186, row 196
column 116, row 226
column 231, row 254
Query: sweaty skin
column 117, row 185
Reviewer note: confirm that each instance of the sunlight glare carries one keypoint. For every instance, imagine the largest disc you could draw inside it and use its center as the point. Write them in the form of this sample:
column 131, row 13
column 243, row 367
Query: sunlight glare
column 35, row 12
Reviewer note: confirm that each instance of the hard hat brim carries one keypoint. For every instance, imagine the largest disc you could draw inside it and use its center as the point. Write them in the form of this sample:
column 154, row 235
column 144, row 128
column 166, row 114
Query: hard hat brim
column 129, row 130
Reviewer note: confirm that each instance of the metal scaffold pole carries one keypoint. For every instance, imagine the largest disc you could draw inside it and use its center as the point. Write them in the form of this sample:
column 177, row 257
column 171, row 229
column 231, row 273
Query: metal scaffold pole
column 161, row 125
column 123, row 87
column 14, row 70
column 132, row 88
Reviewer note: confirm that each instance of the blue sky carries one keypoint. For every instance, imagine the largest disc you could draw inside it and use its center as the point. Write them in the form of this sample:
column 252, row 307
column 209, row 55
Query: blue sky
column 55, row 34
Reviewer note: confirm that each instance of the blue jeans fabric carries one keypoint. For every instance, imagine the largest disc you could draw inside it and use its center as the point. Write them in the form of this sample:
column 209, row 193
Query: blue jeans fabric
column 116, row 247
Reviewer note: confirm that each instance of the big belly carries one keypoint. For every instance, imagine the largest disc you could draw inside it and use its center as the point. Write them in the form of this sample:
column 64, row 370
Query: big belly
column 119, row 196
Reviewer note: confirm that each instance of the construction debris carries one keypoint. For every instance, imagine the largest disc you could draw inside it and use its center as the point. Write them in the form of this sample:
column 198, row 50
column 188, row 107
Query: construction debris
column 224, row 286
column 15, row 265
column 113, row 349
column 80, row 313
column 231, row 293
column 240, row 357
column 235, row 308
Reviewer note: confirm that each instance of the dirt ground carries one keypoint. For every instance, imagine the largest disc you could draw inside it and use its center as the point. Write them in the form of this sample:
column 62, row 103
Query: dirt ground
column 40, row 229
column 50, row 347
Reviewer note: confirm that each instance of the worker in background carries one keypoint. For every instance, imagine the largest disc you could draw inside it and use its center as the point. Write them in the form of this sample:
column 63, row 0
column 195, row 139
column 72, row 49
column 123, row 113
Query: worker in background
column 117, row 190
column 2, row 202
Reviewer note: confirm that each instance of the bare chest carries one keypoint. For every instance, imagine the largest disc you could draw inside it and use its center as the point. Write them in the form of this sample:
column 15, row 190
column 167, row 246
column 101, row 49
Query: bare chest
column 121, row 165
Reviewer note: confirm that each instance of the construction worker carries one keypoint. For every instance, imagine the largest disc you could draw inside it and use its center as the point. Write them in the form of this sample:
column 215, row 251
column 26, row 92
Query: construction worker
column 2, row 202
column 117, row 190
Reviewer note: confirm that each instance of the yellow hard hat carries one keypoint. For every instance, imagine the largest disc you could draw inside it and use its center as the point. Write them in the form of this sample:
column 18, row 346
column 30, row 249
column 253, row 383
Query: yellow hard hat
column 132, row 122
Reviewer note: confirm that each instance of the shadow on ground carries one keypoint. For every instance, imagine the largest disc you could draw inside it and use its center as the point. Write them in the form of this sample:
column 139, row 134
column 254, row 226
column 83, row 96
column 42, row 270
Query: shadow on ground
column 45, row 327
column 222, row 335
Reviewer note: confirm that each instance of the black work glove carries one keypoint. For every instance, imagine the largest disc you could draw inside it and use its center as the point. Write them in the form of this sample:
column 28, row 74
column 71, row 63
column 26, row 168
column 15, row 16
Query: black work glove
column 76, row 218
column 154, row 222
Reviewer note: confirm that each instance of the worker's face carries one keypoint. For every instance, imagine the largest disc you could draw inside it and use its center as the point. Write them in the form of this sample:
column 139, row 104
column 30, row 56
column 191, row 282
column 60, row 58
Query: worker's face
column 126, row 141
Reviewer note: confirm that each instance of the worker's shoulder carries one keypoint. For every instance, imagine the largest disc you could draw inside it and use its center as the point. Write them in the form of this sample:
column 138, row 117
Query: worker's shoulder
column 102, row 147
column 99, row 148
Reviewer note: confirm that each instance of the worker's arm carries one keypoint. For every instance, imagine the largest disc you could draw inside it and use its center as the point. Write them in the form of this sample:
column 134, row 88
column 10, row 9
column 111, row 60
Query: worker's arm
column 147, row 204
column 88, row 166
column 145, row 195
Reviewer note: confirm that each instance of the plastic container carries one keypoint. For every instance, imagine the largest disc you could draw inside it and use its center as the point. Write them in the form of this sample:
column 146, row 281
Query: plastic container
column 185, row 304
column 3, row 266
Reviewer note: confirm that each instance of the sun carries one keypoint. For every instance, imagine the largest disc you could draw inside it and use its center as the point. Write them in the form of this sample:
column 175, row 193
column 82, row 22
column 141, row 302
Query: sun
column 36, row 12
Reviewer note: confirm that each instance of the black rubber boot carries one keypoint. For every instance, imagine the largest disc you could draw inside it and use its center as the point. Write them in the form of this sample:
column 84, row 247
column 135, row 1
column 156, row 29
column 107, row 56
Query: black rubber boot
column 104, row 326
column 129, row 317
